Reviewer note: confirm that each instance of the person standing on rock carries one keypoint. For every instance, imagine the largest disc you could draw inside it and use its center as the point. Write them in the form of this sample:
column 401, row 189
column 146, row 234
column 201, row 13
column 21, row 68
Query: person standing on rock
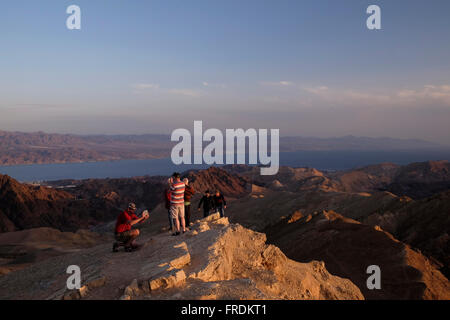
column 207, row 203
column 219, row 203
column 177, row 203
column 123, row 232
column 167, row 199
column 188, row 193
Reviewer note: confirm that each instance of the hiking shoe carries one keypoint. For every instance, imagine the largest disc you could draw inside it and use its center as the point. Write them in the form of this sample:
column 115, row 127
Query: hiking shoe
column 115, row 247
column 135, row 247
column 132, row 248
column 175, row 234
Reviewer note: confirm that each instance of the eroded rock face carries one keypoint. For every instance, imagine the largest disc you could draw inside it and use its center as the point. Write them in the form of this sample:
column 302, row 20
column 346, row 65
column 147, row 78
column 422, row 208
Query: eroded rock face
column 212, row 179
column 348, row 247
column 24, row 206
column 227, row 261
column 214, row 260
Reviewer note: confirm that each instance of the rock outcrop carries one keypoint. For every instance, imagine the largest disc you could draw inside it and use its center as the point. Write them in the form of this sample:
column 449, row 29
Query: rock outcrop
column 214, row 260
column 24, row 206
column 348, row 248
column 212, row 179
column 416, row 180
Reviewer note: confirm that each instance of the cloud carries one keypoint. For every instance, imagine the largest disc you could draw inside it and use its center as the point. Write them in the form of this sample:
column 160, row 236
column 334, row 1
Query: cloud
column 185, row 92
column 434, row 93
column 34, row 106
column 428, row 95
column 277, row 84
column 213, row 85
column 316, row 90
column 143, row 86
column 155, row 88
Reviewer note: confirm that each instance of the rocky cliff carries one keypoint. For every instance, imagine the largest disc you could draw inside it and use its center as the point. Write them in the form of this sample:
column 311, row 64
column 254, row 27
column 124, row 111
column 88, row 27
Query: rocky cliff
column 214, row 260
column 348, row 247
column 25, row 206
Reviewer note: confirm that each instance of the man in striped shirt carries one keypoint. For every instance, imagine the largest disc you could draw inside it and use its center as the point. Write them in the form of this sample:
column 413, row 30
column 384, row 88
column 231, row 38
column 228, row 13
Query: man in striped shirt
column 177, row 203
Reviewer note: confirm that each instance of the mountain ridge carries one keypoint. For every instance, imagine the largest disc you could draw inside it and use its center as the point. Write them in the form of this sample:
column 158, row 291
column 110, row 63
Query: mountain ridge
column 39, row 147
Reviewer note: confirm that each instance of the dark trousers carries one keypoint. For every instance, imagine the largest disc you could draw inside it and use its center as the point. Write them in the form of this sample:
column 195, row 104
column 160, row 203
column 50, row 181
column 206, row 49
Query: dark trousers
column 187, row 214
column 221, row 210
column 126, row 237
column 171, row 222
column 205, row 212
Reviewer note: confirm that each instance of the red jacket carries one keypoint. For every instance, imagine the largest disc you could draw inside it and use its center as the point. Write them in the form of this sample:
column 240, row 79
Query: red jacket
column 188, row 193
column 167, row 198
column 123, row 221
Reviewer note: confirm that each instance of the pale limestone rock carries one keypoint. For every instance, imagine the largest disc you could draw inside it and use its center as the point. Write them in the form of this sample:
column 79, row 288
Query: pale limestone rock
column 72, row 295
column 96, row 283
column 203, row 227
column 181, row 261
column 83, row 291
column 76, row 294
column 211, row 217
column 132, row 289
column 173, row 279
column 221, row 221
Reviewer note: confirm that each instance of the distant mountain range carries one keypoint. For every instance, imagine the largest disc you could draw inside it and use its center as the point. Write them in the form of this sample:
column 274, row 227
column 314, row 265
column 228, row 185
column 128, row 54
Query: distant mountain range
column 39, row 147
column 354, row 143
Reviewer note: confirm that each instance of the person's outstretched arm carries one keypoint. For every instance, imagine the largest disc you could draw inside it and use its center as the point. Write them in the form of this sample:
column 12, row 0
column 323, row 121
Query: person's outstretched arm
column 137, row 220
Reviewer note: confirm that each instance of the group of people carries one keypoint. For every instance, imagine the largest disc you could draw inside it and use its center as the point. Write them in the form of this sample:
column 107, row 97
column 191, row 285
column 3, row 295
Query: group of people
column 212, row 203
column 178, row 204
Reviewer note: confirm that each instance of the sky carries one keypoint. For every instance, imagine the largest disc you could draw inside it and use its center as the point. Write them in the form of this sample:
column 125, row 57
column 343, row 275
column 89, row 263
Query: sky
column 308, row 68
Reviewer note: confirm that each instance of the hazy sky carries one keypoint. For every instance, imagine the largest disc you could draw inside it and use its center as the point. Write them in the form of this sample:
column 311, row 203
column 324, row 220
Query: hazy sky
column 309, row 68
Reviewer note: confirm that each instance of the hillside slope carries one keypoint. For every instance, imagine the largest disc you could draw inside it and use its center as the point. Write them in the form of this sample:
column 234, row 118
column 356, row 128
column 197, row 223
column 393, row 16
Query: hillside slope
column 215, row 260
column 21, row 249
column 416, row 180
column 24, row 206
column 348, row 247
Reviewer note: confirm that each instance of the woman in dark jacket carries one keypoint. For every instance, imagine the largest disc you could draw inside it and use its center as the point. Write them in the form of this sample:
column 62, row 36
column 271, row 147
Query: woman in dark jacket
column 219, row 203
column 208, row 204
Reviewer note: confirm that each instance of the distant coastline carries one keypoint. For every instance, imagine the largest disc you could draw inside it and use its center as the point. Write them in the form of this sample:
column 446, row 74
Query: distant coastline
column 322, row 160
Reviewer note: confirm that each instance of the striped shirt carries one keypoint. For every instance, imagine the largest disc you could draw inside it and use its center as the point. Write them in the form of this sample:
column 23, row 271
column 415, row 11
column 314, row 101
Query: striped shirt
column 177, row 193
